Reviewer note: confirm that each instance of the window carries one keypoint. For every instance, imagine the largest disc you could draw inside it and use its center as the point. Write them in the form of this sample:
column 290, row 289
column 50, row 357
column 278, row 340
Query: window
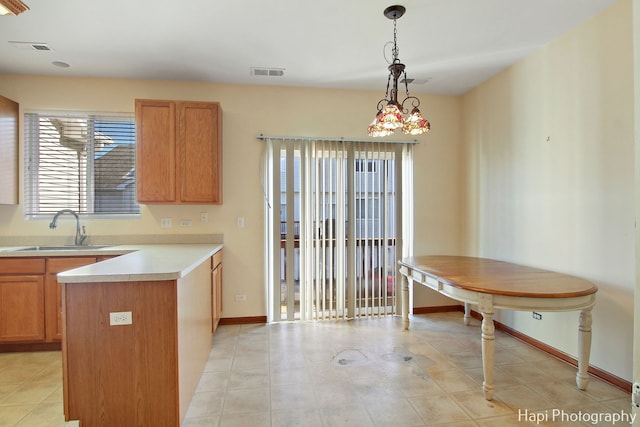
column 82, row 162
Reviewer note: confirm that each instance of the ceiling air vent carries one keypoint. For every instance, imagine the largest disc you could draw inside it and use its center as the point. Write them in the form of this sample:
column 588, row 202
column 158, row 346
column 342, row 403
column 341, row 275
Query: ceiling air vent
column 30, row 45
column 269, row 72
column 41, row 47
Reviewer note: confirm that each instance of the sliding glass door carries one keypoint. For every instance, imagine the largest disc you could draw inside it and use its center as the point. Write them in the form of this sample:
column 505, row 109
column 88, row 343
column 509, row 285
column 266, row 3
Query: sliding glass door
column 338, row 219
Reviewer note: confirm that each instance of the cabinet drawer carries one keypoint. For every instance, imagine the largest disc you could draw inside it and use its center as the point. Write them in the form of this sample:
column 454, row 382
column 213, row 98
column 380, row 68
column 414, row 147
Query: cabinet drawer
column 22, row 266
column 56, row 265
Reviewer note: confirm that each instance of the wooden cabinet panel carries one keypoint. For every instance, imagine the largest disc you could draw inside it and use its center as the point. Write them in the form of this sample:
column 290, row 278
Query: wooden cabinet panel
column 8, row 151
column 53, row 293
column 156, row 151
column 21, row 300
column 179, row 152
column 21, row 308
column 216, row 289
column 123, row 375
column 200, row 152
column 29, row 266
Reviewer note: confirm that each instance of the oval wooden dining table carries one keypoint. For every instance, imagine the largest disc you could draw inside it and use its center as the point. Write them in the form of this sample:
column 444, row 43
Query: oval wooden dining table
column 490, row 284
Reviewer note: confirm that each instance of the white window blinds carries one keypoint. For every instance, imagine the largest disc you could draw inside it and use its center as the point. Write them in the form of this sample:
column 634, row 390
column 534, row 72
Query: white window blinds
column 82, row 162
column 338, row 220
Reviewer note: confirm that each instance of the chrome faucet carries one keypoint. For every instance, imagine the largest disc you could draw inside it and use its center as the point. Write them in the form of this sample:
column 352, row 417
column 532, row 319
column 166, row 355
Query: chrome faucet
column 80, row 236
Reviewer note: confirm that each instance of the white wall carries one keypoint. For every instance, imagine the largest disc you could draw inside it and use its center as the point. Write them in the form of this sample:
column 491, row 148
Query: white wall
column 549, row 157
column 248, row 112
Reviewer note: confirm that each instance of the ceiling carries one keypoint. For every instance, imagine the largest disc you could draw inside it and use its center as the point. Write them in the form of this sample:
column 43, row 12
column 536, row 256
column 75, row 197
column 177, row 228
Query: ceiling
column 449, row 45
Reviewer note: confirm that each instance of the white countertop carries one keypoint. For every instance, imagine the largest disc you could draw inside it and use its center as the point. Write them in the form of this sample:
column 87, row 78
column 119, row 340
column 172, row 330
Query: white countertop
column 131, row 263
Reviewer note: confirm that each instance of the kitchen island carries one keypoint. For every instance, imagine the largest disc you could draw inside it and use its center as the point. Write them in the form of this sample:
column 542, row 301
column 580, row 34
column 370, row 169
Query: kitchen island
column 136, row 334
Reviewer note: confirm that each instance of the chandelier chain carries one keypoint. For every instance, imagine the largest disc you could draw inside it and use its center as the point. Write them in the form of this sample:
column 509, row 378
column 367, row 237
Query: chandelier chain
column 395, row 49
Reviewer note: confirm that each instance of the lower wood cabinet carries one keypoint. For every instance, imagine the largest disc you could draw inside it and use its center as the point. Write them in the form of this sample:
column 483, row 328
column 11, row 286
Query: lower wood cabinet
column 53, row 293
column 21, row 300
column 21, row 308
column 30, row 298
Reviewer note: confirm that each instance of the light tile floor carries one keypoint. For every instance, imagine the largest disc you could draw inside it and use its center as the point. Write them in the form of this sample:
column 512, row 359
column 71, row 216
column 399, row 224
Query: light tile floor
column 355, row 373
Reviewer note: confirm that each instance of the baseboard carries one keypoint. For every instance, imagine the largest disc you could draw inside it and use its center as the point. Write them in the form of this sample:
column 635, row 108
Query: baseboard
column 29, row 347
column 438, row 309
column 243, row 320
column 608, row 377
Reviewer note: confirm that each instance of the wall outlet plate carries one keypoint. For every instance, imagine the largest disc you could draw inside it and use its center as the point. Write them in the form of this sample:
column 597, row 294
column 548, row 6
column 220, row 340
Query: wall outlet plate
column 120, row 318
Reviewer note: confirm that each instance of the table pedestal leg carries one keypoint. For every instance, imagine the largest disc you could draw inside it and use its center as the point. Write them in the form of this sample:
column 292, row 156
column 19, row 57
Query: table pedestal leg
column 467, row 313
column 584, row 347
column 485, row 304
column 405, row 302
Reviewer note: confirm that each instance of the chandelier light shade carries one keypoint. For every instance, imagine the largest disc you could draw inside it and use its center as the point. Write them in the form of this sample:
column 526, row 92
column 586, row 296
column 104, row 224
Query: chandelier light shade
column 391, row 113
column 12, row 7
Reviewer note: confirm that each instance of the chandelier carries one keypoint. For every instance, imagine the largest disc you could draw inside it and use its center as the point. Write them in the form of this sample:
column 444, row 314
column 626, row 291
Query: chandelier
column 390, row 115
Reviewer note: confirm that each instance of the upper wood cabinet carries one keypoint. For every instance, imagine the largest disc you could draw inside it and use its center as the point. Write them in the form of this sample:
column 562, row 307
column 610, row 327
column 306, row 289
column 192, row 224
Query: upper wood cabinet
column 8, row 151
column 179, row 152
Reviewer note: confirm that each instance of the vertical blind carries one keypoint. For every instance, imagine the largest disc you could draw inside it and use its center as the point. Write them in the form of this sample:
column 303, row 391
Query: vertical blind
column 83, row 162
column 338, row 219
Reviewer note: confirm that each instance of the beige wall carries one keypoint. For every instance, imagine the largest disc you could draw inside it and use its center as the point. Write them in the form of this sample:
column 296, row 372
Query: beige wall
column 550, row 177
column 248, row 112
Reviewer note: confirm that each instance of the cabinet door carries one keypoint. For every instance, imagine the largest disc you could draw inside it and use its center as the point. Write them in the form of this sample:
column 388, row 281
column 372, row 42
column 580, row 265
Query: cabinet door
column 199, row 152
column 53, row 293
column 21, row 308
column 155, row 151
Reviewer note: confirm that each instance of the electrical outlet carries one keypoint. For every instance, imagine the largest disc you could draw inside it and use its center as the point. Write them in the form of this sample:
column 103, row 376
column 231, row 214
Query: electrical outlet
column 120, row 318
column 185, row 223
column 241, row 297
column 537, row 316
column 635, row 395
column 240, row 222
column 166, row 223
column 204, row 217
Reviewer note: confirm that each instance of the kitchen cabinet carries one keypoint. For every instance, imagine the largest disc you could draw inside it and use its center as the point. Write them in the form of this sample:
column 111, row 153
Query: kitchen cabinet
column 216, row 289
column 8, row 151
column 30, row 299
column 142, row 372
column 53, row 293
column 21, row 300
column 179, row 152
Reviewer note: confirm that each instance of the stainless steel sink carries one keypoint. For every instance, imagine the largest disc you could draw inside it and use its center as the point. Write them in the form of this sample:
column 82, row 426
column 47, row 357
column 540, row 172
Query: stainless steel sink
column 62, row 248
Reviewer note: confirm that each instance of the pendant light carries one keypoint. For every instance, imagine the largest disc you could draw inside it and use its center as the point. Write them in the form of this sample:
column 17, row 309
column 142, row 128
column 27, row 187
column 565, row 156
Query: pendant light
column 391, row 113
